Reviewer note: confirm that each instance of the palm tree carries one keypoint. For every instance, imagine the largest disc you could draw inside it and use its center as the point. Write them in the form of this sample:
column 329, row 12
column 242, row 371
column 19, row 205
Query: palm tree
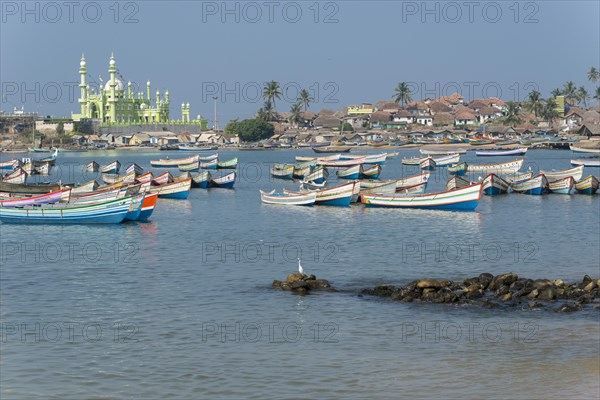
column 556, row 92
column 267, row 112
column 583, row 96
column 550, row 112
column 570, row 92
column 295, row 114
column 593, row 75
column 535, row 103
column 512, row 113
column 597, row 94
column 271, row 91
column 305, row 99
column 402, row 94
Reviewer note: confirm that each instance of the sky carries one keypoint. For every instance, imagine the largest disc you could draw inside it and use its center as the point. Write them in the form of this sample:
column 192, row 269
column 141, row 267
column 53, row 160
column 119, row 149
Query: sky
column 343, row 52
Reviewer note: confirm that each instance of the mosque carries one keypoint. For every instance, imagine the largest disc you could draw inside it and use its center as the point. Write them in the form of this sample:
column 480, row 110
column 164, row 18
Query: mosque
column 114, row 104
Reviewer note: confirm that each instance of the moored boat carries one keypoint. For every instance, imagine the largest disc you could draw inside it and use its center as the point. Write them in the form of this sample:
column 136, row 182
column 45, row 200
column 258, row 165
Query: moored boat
column 495, row 153
column 427, row 164
column 340, row 163
column 333, row 157
column 388, row 187
column 296, row 199
column 180, row 189
column 47, row 198
column 24, row 189
column 189, row 167
column 576, row 149
column 446, row 160
column 200, row 179
column 332, row 149
column 148, row 206
column 352, row 172
column 86, row 187
column 135, row 208
column 587, row 185
column 163, row 178
column 18, row 176
column 92, row 166
column 225, row 182
column 508, row 167
column 172, row 163
column 340, row 196
column 587, row 162
column 212, row 164
column 115, row 178
column 575, row 172
column 561, row 186
column 456, row 182
column 111, row 168
column 283, row 171
column 136, row 169
column 9, row 165
column 441, row 152
column 412, row 189
column 535, row 186
column 318, row 175
column 228, row 164
column 494, row 185
column 371, row 172
column 209, row 157
column 458, row 169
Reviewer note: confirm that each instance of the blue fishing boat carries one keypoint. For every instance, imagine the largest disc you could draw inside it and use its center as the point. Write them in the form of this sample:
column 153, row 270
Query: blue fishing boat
column 135, row 208
column 535, row 186
column 283, row 171
column 494, row 185
column 587, row 185
column 224, row 182
column 148, row 206
column 371, row 172
column 352, row 172
column 318, row 176
column 458, row 169
column 200, row 180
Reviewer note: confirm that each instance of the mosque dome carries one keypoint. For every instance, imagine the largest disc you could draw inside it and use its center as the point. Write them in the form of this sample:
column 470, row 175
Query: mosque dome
column 118, row 87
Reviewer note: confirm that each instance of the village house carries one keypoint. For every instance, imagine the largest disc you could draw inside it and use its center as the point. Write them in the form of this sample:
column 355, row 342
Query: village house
column 139, row 139
column 326, row 122
column 465, row 117
column 592, row 131
column 364, row 109
column 488, row 113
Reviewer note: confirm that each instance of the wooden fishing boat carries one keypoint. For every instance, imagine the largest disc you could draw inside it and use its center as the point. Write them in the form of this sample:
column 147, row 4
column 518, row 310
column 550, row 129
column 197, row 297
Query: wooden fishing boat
column 148, row 206
column 163, row 178
column 458, row 169
column 388, row 187
column 587, row 162
column 229, row 164
column 135, row 208
column 18, row 176
column 212, row 164
column 441, row 152
column 136, row 169
column 413, row 160
column 194, row 167
column 303, row 169
column 283, row 171
column 174, row 190
column 412, row 180
column 99, row 196
column 48, row 198
column 200, row 179
column 332, row 149
column 587, row 185
column 50, row 159
column 575, row 172
column 576, row 149
column 339, row 196
column 427, row 164
column 391, row 155
column 371, row 172
column 494, row 185
column 145, row 179
column 535, row 186
column 209, row 157
column 352, row 172
column 446, row 160
column 496, row 153
column 479, row 142
column 172, row 163
column 456, row 182
column 114, row 178
column 43, row 169
column 517, row 176
column 29, row 189
column 413, row 189
column 508, row 167
column 110, row 212
column 225, row 181
column 92, row 166
column 333, row 157
column 111, row 168
column 302, row 199
column 86, row 187
column 368, row 158
column 311, row 185
column 9, row 165
column 318, row 175
column 561, row 186
column 465, row 199
column 340, row 163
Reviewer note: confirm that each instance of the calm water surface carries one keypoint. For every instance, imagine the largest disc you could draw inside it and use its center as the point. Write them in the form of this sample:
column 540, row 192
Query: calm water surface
column 182, row 307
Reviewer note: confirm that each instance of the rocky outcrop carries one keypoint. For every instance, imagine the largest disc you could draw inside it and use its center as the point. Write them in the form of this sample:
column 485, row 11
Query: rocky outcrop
column 302, row 284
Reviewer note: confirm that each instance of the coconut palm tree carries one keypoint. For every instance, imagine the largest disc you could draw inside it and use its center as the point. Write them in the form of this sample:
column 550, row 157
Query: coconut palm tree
column 402, row 94
column 593, row 75
column 550, row 113
column 556, row 92
column 267, row 112
column 271, row 91
column 583, row 96
column 296, row 114
column 512, row 113
column 570, row 92
column 305, row 99
column 535, row 103
column 597, row 94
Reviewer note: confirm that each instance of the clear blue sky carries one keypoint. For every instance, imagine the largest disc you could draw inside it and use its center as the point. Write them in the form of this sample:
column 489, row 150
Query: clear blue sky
column 344, row 51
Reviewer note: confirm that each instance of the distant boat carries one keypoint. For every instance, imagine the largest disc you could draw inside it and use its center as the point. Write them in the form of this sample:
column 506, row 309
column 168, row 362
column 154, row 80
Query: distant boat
column 516, row 152
column 576, row 149
column 37, row 150
column 458, row 169
column 225, row 181
column 339, row 196
column 427, row 164
column 136, row 169
column 193, row 167
column 283, row 171
column 497, row 168
column 304, row 169
column 92, row 166
column 575, row 172
column 587, row 162
column 370, row 172
column 318, row 175
column 561, row 186
column 465, row 199
column 209, row 157
column 299, row 199
column 479, row 142
column 446, row 160
column 115, row 178
column 111, row 168
column 352, row 172
column 333, row 157
column 587, row 185
column 456, row 182
column 174, row 190
column 197, row 148
column 535, row 186
column 212, row 164
column 332, row 149
column 494, row 185
column 340, row 163
column 172, row 163
column 441, row 152
column 229, row 164
column 368, row 158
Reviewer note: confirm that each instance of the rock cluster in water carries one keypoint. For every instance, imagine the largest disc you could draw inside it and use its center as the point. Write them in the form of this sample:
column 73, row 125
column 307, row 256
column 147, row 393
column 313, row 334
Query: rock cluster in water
column 492, row 291
column 300, row 283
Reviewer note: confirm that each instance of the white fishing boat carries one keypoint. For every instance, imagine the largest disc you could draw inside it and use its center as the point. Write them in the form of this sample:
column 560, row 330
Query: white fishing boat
column 456, row 182
column 18, row 176
column 383, row 188
column 509, row 167
column 587, row 162
column 577, row 149
column 575, row 172
column 441, row 152
column 299, row 199
column 562, row 186
column 447, row 160
column 333, row 157
column 515, row 152
column 341, row 163
column 587, row 185
column 494, row 184
column 537, row 185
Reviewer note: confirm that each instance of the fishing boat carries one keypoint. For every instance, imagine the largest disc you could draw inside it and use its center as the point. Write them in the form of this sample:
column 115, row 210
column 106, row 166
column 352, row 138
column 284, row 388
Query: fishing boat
column 458, row 169
column 561, row 186
column 179, row 189
column 441, row 152
column 172, row 163
column 576, row 149
column 43, row 169
column 495, row 153
column 9, row 165
column 352, row 172
column 225, row 181
column 304, row 169
column 517, row 176
column 200, row 179
column 333, row 157
column 507, row 167
column 18, row 176
column 301, row 199
column 388, row 187
column 535, row 186
column 465, row 199
column 197, row 148
column 38, row 150
column 412, row 160
column 229, row 164
column 48, row 198
column 340, row 196
column 109, row 179
column 146, row 180
column 24, row 189
column 136, row 169
column 368, row 158
column 283, row 171
column 332, row 149
column 587, row 185
column 340, row 163
column 318, row 175
column 86, row 187
column 50, row 159
column 494, row 185
column 135, row 209
column 371, row 172
column 412, row 180
column 427, row 164
column 92, row 166
column 446, row 160
column 456, row 182
column 587, row 162
column 212, row 164
column 311, row 185
column 210, row 157
column 110, row 212
column 148, row 206
column 111, row 168
column 163, row 178
column 575, row 172
column 479, row 142
column 194, row 167
column 391, row 155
